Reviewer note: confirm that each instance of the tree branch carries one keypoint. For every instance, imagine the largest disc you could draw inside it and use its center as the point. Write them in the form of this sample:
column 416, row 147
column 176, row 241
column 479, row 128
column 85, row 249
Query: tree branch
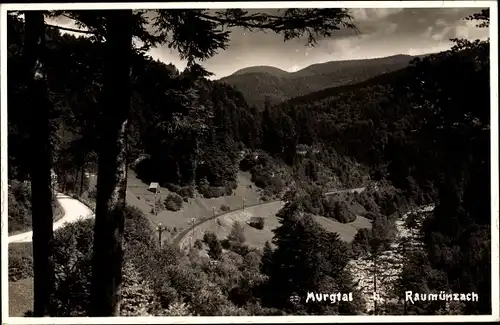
column 241, row 23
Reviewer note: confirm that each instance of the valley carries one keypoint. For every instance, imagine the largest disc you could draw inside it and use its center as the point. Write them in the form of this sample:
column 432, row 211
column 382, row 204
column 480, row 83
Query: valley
column 139, row 186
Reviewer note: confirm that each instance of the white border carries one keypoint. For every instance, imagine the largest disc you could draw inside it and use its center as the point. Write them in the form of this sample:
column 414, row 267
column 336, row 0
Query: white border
column 258, row 5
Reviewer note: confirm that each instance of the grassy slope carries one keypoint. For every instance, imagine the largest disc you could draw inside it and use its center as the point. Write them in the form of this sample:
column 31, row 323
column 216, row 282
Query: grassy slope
column 21, row 292
column 199, row 207
column 257, row 238
column 20, row 297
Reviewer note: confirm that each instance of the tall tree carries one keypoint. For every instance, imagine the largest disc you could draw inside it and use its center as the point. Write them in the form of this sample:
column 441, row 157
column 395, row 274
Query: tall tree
column 112, row 168
column 35, row 55
column 307, row 259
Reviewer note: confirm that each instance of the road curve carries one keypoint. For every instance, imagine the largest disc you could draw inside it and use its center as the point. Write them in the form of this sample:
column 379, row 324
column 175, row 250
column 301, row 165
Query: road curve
column 74, row 210
column 178, row 239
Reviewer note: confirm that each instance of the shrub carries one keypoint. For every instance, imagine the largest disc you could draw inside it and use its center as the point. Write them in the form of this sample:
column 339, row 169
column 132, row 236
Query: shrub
column 215, row 250
column 248, row 162
column 342, row 212
column 225, row 243
column 172, row 187
column 212, row 191
column 138, row 298
column 198, row 244
column 258, row 223
column 19, row 203
column 20, row 261
column 173, row 202
column 176, row 309
column 186, row 191
column 237, row 233
column 225, row 208
column 239, row 248
column 72, row 264
column 371, row 215
column 137, row 228
column 361, row 243
column 92, row 192
column 214, row 246
column 72, row 261
column 209, row 237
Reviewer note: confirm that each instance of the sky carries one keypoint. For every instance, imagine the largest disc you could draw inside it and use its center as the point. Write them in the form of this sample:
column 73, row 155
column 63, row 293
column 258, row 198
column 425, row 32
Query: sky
column 382, row 32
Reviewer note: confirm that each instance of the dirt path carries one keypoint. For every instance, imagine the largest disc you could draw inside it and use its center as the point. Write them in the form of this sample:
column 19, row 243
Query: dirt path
column 74, row 210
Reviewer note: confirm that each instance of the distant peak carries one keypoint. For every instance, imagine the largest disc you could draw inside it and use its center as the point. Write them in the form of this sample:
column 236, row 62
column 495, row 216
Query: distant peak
column 261, row 69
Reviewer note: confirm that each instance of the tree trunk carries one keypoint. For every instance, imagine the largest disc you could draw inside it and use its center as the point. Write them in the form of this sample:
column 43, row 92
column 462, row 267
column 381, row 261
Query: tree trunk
column 82, row 176
column 41, row 196
column 375, row 284
column 112, row 169
column 75, row 182
column 194, row 160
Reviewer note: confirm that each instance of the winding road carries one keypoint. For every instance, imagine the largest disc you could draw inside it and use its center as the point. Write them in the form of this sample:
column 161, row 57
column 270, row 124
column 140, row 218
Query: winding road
column 74, row 210
column 180, row 238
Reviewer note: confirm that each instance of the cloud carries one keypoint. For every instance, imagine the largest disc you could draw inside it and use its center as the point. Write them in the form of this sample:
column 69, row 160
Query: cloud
column 375, row 14
column 467, row 29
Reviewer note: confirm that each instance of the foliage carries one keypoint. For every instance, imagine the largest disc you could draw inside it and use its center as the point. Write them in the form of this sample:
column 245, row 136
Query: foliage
column 237, row 233
column 72, row 260
column 198, row 244
column 267, row 259
column 19, row 202
column 20, row 261
column 173, row 202
column 259, row 223
column 342, row 213
column 214, row 246
column 137, row 297
column 307, row 258
column 212, row 191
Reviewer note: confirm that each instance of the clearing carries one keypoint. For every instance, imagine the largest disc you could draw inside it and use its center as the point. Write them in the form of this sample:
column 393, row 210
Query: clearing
column 256, row 238
column 197, row 207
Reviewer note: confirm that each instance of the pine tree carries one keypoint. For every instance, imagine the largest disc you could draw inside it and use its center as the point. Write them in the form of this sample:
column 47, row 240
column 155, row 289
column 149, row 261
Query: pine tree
column 267, row 258
column 35, row 57
column 307, row 258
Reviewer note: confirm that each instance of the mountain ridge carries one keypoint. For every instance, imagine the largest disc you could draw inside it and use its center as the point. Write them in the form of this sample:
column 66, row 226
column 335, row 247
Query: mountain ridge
column 259, row 84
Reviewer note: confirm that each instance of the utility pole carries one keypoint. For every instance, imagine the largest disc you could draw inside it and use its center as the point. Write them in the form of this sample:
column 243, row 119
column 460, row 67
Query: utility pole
column 375, row 283
column 160, row 230
column 154, row 204
column 192, row 233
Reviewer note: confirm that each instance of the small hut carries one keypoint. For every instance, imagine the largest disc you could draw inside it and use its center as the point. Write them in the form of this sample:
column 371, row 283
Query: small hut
column 154, row 187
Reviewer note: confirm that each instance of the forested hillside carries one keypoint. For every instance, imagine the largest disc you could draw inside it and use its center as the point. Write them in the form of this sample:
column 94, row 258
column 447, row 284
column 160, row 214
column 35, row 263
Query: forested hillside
column 426, row 130
column 415, row 136
column 261, row 84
